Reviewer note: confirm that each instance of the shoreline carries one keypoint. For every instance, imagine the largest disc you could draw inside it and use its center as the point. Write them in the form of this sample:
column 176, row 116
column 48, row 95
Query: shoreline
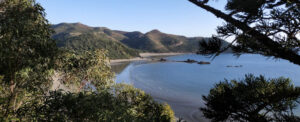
column 144, row 57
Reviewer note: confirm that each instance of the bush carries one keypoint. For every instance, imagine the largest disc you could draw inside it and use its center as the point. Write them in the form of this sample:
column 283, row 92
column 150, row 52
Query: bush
column 124, row 103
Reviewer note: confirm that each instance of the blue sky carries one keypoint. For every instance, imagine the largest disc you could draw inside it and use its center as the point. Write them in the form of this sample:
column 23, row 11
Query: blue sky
column 170, row 16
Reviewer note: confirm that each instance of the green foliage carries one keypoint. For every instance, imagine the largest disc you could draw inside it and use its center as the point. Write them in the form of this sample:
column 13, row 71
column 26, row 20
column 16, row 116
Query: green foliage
column 248, row 6
column 123, row 103
column 25, row 37
column 26, row 53
column 93, row 42
column 142, row 106
column 92, row 66
column 252, row 99
column 3, row 96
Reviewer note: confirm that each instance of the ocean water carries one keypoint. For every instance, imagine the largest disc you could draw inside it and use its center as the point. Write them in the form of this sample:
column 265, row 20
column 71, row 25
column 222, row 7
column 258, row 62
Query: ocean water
column 182, row 84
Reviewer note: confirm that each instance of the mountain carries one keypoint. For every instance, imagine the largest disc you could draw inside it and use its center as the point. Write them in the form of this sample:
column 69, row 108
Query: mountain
column 81, row 37
column 121, row 44
column 156, row 41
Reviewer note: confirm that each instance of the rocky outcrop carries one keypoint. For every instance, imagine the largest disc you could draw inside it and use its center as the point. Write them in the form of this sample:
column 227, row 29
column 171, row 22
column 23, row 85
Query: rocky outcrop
column 203, row 62
column 190, row 61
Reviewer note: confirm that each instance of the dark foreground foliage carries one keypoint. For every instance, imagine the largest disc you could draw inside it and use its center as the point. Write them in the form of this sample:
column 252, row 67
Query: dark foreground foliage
column 266, row 27
column 252, row 99
column 126, row 104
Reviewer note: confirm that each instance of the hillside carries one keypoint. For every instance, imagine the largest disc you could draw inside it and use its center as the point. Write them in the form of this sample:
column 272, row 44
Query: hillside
column 81, row 37
column 121, row 44
column 156, row 41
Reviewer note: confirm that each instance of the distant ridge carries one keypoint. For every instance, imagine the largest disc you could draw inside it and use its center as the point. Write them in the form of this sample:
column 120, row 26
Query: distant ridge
column 157, row 41
column 122, row 44
column 80, row 37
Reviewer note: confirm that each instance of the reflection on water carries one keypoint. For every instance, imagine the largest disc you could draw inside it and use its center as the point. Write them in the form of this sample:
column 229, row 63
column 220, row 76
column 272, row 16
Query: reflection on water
column 119, row 67
column 181, row 84
column 123, row 71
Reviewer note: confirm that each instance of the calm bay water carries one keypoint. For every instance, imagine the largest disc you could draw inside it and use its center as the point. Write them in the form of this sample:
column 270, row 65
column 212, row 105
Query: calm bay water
column 181, row 84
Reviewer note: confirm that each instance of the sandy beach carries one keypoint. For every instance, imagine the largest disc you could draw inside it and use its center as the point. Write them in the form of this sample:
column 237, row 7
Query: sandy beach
column 144, row 57
column 147, row 55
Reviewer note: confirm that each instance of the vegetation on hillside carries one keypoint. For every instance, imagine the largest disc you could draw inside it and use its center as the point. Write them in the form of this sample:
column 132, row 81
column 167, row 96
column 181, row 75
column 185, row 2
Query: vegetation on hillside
column 156, row 41
column 29, row 58
column 81, row 37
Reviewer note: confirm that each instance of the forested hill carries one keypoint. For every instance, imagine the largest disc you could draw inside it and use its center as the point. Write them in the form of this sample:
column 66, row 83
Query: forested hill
column 81, row 37
column 121, row 44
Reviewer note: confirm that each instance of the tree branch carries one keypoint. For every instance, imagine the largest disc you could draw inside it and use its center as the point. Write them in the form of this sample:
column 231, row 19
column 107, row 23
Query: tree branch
column 279, row 51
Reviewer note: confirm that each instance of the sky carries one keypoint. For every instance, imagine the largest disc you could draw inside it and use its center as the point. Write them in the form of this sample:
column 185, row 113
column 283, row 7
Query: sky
column 170, row 16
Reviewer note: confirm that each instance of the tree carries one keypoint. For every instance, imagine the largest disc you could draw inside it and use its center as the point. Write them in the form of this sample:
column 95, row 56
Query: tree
column 28, row 60
column 26, row 53
column 88, row 66
column 252, row 99
column 267, row 27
